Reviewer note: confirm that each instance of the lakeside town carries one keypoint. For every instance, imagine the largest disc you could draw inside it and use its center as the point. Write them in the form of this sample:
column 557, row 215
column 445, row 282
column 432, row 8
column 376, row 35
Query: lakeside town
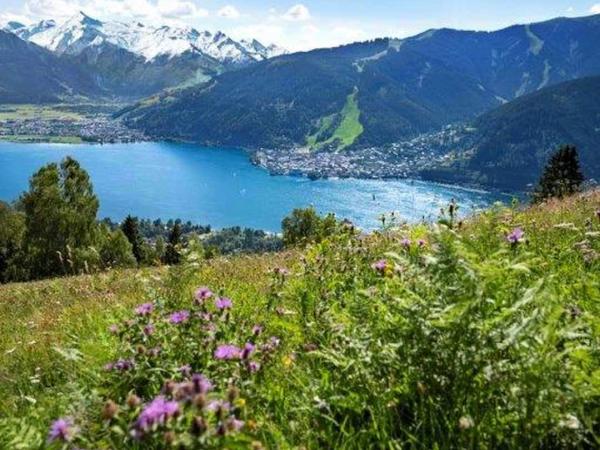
column 398, row 160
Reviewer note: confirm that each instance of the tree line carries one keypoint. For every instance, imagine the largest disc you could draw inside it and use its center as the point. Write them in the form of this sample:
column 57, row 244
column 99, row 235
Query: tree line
column 53, row 230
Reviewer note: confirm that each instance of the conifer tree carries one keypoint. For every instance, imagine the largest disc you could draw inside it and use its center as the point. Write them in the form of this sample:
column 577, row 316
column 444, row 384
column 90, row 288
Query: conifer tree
column 131, row 230
column 172, row 255
column 561, row 177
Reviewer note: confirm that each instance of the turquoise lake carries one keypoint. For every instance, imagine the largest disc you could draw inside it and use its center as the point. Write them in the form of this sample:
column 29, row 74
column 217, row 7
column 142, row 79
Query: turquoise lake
column 221, row 187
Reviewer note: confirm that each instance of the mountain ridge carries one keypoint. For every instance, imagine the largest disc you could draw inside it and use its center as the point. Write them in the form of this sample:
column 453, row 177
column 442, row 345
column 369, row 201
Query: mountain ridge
column 405, row 87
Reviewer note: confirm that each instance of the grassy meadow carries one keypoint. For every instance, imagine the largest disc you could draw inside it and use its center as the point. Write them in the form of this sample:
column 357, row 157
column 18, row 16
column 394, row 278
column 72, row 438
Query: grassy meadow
column 482, row 334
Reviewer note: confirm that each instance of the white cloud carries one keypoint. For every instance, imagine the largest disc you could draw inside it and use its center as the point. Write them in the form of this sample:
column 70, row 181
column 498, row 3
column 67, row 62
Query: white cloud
column 229, row 12
column 297, row 13
column 155, row 11
column 175, row 9
column 595, row 9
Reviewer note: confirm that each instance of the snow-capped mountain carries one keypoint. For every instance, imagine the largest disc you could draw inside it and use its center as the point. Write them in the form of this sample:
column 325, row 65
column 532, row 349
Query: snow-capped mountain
column 82, row 32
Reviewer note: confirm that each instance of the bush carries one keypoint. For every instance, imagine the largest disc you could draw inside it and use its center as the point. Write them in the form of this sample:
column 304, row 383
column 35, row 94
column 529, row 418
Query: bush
column 304, row 226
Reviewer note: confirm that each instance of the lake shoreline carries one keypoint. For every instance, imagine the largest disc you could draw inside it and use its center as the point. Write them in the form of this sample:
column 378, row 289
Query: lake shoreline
column 274, row 171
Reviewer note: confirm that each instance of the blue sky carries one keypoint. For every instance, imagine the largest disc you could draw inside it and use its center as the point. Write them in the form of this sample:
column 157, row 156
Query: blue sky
column 306, row 24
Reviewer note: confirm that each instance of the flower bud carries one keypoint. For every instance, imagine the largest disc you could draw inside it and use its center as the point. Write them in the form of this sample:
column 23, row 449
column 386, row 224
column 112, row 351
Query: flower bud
column 110, row 410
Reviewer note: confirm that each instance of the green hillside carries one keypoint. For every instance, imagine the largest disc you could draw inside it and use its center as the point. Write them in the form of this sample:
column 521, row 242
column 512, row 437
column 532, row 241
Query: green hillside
column 478, row 335
column 341, row 130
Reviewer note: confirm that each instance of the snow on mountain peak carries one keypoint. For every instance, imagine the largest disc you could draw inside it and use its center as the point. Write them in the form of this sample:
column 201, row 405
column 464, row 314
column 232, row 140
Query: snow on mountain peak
column 82, row 31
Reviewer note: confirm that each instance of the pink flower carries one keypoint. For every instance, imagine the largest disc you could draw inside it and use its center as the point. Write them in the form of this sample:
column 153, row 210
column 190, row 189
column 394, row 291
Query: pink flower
column 380, row 265
column 156, row 413
column 405, row 242
column 201, row 384
column 257, row 330
column 253, row 366
column 281, row 271
column 61, row 430
column 228, row 352
column 148, row 329
column 203, row 294
column 248, row 350
column 114, row 329
column 515, row 236
column 223, row 303
column 179, row 317
column 144, row 309
column 421, row 243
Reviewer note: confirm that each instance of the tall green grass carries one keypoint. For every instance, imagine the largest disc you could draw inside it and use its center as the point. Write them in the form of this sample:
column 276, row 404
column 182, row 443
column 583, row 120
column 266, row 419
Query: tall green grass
column 425, row 336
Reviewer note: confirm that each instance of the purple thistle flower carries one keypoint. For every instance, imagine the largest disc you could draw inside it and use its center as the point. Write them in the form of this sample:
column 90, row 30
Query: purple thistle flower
column 144, row 309
column 216, row 405
column 248, row 349
column 61, row 430
column 257, row 330
column 179, row 317
column 515, row 236
column 421, row 243
column 380, row 265
column 185, row 370
column 253, row 366
column 201, row 384
column 405, row 242
column 148, row 329
column 113, row 329
column 223, row 303
column 202, row 294
column 271, row 344
column 227, row 352
column 154, row 352
column 234, row 424
column 156, row 413
column 123, row 365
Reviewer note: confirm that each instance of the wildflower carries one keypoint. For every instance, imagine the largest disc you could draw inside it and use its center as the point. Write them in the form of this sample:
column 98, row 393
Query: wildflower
column 234, row 424
column 228, row 352
column 202, row 294
column 310, row 347
column 272, row 344
column 223, row 303
column 232, row 393
column 110, row 410
column 465, row 422
column 253, row 366
column 405, row 242
column 113, row 329
column 248, row 349
column 380, row 265
column 133, row 401
column 598, row 214
column 179, row 317
column 144, row 309
column 515, row 236
column 154, row 351
column 199, row 425
column 206, row 316
column 281, row 271
column 218, row 406
column 121, row 365
column 61, row 430
column 421, row 243
column 201, row 384
column 257, row 330
column 288, row 360
column 148, row 329
column 185, row 370
column 156, row 413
